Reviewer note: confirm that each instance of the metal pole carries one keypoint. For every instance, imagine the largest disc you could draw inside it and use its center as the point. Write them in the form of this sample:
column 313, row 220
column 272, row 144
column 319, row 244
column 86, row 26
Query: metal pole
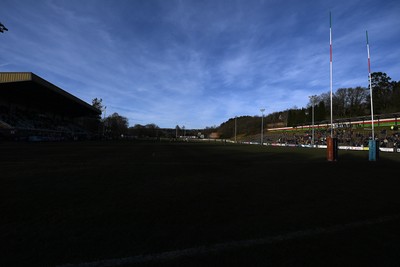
column 312, row 98
column 370, row 89
column 312, row 141
column 330, row 66
column 104, row 120
column 262, row 125
column 235, row 129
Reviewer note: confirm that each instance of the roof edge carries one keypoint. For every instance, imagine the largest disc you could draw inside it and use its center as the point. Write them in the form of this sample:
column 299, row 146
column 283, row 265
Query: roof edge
column 9, row 77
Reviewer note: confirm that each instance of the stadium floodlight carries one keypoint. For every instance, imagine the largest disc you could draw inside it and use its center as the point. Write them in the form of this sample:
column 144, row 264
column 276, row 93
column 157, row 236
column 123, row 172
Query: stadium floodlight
column 312, row 98
column 3, row 28
column 262, row 125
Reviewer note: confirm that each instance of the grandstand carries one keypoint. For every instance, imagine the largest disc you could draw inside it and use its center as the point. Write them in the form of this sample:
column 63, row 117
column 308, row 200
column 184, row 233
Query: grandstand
column 34, row 109
column 350, row 132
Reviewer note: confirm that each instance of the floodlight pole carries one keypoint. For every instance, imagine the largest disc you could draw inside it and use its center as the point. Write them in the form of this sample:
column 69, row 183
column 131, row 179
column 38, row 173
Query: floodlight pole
column 262, row 125
column 312, row 108
column 235, row 128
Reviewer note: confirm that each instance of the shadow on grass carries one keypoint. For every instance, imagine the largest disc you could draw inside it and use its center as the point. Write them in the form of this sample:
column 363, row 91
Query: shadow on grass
column 77, row 202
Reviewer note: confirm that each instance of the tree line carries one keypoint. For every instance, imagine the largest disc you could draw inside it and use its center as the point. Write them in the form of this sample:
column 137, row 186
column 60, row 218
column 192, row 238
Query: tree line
column 116, row 126
column 346, row 103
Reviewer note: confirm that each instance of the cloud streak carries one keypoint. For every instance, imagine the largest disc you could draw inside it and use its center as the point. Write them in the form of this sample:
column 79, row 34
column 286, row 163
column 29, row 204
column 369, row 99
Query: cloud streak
column 198, row 63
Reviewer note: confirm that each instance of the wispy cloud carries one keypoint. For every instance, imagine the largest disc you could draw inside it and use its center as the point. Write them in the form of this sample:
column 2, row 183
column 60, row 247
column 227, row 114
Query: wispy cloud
column 198, row 63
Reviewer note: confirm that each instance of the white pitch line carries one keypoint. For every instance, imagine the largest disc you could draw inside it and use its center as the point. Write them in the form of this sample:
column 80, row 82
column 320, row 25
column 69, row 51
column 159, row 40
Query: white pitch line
column 201, row 250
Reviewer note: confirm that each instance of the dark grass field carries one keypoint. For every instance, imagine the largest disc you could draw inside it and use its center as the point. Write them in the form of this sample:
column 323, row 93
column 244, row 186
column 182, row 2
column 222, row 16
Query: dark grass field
column 75, row 203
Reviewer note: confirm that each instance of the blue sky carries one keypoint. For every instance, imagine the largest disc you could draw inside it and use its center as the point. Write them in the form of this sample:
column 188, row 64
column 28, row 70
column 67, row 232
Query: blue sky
column 198, row 63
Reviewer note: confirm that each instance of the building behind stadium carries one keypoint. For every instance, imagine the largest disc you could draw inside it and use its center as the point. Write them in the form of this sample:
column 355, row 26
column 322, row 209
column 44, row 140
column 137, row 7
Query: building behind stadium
column 34, row 109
